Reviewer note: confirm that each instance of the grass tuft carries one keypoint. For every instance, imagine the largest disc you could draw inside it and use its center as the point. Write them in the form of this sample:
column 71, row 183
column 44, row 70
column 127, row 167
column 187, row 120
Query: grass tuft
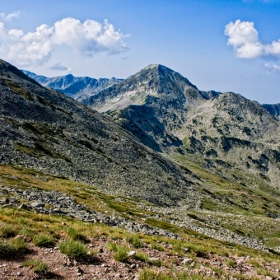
column 7, row 250
column 141, row 256
column 42, row 240
column 38, row 266
column 134, row 240
column 73, row 249
column 75, row 234
column 121, row 253
column 157, row 247
column 7, row 231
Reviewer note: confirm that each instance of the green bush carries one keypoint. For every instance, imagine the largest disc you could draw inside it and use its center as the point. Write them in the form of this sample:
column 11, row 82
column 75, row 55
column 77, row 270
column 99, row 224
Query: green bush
column 7, row 250
column 42, row 240
column 75, row 235
column 141, row 256
column 121, row 253
column 134, row 241
column 7, row 231
column 73, row 249
column 157, row 247
column 37, row 265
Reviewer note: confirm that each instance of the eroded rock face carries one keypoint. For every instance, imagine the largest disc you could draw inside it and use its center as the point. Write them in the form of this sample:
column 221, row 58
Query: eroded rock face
column 47, row 131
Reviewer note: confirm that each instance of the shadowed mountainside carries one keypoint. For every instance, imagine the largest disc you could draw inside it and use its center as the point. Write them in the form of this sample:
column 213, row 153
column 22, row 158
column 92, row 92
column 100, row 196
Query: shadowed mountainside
column 47, row 131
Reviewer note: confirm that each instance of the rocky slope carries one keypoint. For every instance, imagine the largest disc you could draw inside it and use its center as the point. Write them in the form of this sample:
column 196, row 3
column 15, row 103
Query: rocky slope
column 45, row 130
column 223, row 132
column 151, row 104
column 215, row 139
column 78, row 88
column 273, row 109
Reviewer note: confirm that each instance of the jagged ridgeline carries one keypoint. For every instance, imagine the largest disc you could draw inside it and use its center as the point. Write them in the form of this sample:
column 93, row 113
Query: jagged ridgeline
column 224, row 133
column 78, row 88
column 47, row 131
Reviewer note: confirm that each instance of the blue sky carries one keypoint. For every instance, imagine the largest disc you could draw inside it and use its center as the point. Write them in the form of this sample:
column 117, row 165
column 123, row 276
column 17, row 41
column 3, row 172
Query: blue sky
column 221, row 45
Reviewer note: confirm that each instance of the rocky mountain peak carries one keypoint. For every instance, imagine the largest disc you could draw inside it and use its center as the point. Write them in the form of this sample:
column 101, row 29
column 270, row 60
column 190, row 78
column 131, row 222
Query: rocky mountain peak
column 152, row 66
column 152, row 84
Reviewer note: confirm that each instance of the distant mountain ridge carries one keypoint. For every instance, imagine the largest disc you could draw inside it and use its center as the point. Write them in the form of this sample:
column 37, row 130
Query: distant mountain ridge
column 224, row 132
column 78, row 88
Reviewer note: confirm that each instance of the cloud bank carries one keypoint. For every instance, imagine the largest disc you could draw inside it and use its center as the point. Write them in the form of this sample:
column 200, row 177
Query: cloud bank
column 85, row 38
column 244, row 39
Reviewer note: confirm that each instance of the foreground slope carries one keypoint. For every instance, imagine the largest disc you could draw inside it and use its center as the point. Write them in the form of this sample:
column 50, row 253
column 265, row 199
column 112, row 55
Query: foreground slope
column 132, row 250
column 47, row 131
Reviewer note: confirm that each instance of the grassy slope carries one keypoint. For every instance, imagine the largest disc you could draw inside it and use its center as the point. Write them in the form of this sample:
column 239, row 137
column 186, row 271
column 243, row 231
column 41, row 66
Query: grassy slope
column 191, row 245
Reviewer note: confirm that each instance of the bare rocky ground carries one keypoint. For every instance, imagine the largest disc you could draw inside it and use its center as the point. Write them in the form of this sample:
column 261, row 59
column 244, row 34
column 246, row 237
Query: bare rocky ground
column 103, row 266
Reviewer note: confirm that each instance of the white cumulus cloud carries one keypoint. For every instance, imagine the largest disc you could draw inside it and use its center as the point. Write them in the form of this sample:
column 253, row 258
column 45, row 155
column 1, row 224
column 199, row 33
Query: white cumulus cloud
column 11, row 16
column 244, row 39
column 86, row 38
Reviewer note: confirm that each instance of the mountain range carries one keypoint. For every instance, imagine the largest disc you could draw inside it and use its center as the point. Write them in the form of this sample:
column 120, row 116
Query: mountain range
column 225, row 133
column 78, row 88
column 157, row 141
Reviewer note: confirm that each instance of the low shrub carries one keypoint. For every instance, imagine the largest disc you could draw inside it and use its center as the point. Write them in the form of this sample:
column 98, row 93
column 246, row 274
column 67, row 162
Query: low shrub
column 121, row 253
column 42, row 240
column 7, row 250
column 75, row 234
column 38, row 266
column 134, row 240
column 73, row 249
